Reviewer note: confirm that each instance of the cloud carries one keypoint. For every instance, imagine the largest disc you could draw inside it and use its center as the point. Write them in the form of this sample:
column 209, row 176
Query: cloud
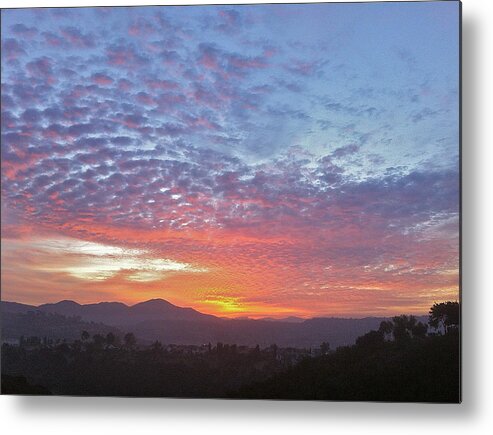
column 23, row 31
column 53, row 40
column 141, row 28
column 91, row 261
column 101, row 79
column 228, row 64
column 161, row 85
column 12, row 49
column 230, row 20
column 41, row 68
column 345, row 151
column 423, row 114
column 206, row 148
column 305, row 68
column 125, row 56
column 125, row 85
column 77, row 38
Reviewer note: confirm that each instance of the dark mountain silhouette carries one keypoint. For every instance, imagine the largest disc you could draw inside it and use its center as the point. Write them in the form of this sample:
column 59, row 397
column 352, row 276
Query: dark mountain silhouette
column 113, row 313
column 160, row 309
column 158, row 319
column 35, row 323
column 396, row 362
column 15, row 307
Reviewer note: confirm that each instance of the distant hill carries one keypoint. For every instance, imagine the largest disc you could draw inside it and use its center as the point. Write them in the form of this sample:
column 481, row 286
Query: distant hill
column 14, row 307
column 158, row 319
column 35, row 323
column 119, row 314
column 290, row 319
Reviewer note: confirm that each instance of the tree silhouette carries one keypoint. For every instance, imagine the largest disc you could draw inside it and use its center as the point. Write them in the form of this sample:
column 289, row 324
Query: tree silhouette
column 444, row 315
column 98, row 340
column 157, row 346
column 370, row 339
column 110, row 339
column 76, row 345
column 403, row 326
column 419, row 330
column 386, row 328
column 324, row 348
column 84, row 336
column 129, row 340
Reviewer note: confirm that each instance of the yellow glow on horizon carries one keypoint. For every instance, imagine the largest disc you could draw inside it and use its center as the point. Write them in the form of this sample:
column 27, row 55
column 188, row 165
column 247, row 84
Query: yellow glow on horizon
column 235, row 306
column 50, row 268
column 226, row 304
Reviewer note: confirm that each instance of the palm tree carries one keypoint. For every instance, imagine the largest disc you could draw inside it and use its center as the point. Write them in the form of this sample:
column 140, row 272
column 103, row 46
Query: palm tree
column 444, row 315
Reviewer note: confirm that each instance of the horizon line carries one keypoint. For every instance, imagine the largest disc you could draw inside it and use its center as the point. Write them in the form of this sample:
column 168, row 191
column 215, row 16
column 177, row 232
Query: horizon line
column 239, row 317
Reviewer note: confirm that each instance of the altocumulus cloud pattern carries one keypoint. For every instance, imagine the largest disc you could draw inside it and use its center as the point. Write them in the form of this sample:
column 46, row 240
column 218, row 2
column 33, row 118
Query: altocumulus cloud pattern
column 253, row 159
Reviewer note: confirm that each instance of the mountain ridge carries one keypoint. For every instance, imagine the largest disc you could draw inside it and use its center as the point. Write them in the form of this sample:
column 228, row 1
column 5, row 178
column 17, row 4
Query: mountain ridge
column 159, row 319
column 164, row 302
column 116, row 313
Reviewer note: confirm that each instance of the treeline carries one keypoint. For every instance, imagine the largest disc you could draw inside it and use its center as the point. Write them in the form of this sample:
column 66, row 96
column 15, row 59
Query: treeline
column 403, row 360
column 90, row 367
column 54, row 327
column 398, row 362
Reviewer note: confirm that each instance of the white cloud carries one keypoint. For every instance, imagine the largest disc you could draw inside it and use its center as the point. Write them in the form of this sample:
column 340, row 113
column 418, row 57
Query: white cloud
column 96, row 261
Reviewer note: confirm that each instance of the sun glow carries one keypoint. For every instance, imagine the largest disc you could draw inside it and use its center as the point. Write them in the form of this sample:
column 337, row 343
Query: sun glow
column 226, row 304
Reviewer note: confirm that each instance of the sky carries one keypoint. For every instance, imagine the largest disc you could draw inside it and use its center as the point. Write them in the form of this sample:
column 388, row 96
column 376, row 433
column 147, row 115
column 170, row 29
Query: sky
column 262, row 160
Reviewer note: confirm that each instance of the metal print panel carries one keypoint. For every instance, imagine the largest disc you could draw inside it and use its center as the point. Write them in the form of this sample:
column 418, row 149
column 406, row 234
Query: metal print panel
column 235, row 201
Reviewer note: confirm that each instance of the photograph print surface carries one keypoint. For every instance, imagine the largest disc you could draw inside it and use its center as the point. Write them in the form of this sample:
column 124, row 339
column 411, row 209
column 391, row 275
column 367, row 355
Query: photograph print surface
column 232, row 201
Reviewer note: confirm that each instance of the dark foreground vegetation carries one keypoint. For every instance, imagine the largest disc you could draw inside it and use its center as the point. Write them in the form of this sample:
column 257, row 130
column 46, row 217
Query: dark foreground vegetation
column 401, row 361
column 98, row 369
column 19, row 385
column 414, row 370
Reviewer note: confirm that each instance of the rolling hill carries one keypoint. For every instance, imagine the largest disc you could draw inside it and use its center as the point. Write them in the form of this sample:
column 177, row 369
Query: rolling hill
column 158, row 319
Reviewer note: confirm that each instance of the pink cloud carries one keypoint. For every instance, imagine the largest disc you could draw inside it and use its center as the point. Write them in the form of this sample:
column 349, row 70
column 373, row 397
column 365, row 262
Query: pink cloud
column 163, row 85
column 101, row 79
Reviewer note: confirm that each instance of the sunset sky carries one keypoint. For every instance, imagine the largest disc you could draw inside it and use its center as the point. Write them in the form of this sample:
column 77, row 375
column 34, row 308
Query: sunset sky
column 267, row 160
